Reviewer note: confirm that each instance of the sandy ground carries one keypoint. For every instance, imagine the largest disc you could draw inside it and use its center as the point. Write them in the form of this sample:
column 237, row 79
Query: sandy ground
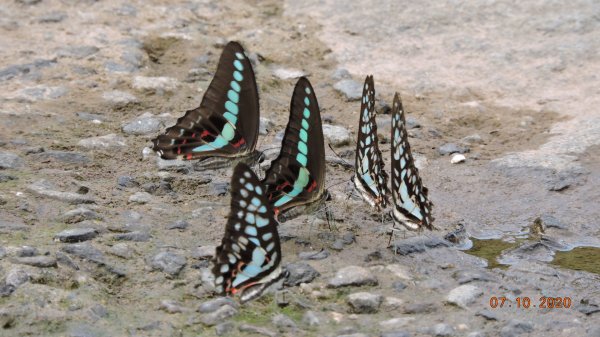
column 522, row 77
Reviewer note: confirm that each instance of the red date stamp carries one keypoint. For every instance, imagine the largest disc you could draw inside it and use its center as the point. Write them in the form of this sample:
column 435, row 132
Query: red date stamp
column 526, row 302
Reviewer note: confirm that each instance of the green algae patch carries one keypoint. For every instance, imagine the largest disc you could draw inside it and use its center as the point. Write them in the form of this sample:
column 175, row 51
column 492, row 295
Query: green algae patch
column 490, row 250
column 580, row 258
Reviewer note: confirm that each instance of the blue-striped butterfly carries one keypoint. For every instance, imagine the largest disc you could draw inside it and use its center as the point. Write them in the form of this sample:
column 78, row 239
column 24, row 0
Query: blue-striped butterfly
column 295, row 179
column 412, row 208
column 370, row 178
column 225, row 125
column 248, row 259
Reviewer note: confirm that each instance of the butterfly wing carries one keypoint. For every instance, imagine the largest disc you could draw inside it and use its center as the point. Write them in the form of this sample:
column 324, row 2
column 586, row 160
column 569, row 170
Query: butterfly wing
column 226, row 122
column 411, row 205
column 249, row 256
column 370, row 178
column 297, row 175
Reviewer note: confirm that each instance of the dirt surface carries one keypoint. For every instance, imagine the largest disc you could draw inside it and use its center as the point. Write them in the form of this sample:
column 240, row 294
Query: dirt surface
column 519, row 94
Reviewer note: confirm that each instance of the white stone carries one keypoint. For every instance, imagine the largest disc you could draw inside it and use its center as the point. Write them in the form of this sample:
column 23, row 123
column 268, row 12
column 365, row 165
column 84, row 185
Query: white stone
column 156, row 84
column 464, row 295
column 457, row 158
column 287, row 73
column 399, row 271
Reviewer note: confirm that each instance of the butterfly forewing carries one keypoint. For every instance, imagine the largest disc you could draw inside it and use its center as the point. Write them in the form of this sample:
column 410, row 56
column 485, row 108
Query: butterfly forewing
column 297, row 175
column 249, row 255
column 412, row 208
column 226, row 122
column 370, row 177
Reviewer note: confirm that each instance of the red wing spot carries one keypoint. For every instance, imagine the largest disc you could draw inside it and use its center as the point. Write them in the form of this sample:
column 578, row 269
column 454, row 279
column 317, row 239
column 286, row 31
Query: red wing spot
column 184, row 142
column 189, row 156
column 179, row 150
column 204, row 133
column 194, row 135
column 312, row 186
column 276, row 211
column 239, row 143
column 282, row 186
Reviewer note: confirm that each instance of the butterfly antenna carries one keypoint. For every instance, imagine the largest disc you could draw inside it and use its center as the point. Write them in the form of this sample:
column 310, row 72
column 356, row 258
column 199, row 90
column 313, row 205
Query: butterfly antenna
column 340, row 157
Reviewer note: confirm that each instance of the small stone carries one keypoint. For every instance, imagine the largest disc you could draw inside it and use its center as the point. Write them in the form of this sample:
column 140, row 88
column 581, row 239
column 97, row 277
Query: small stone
column 283, row 323
column 442, row 330
column 472, row 139
column 219, row 188
column 395, row 334
column 121, row 250
column 336, row 135
column 135, row 236
column 224, row 328
column 52, row 17
column 45, row 189
column 204, row 252
column 399, row 271
column 126, row 181
column 110, row 141
column 457, row 158
column 222, row 313
column 179, row 224
column 337, row 245
column 213, row 305
column 312, row 255
column 516, row 328
column 143, row 125
column 419, row 308
column 80, row 214
column 352, row 276
column 119, row 98
column 311, row 318
column 99, row 310
column 351, row 89
column 257, row 330
column 140, row 198
column 265, row 125
column 76, row 235
column 26, row 251
column 10, row 161
column 364, row 302
column 466, row 276
column 118, row 68
column 418, row 245
column 84, row 251
column 158, row 85
column 450, row 148
column 16, row 277
column 464, row 295
column 300, row 272
column 170, row 306
column 41, row 261
column 62, row 156
column 399, row 286
column 65, row 260
column 551, row 222
column 348, row 238
column 40, row 92
column 487, row 314
column 340, row 74
column 287, row 74
column 168, row 262
column 134, row 57
column 77, row 52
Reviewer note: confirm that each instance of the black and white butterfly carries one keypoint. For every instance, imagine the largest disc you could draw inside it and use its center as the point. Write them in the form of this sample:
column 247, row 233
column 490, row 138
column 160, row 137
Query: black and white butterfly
column 225, row 125
column 412, row 208
column 248, row 259
column 370, row 178
column 295, row 179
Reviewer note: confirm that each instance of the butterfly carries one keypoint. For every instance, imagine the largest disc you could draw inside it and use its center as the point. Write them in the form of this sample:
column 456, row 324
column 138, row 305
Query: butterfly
column 370, row 179
column 296, row 177
column 248, row 259
column 412, row 209
column 225, row 125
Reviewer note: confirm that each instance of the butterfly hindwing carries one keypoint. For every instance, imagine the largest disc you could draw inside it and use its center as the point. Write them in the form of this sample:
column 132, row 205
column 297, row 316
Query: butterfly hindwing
column 226, row 122
column 249, row 256
column 370, row 177
column 297, row 175
column 412, row 208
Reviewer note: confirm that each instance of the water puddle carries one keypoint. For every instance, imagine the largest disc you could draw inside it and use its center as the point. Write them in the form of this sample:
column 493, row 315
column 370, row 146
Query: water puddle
column 575, row 258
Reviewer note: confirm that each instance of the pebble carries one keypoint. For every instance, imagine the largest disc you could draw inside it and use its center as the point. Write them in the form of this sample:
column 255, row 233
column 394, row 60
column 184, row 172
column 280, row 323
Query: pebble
column 550, row 221
column 126, row 181
column 442, row 330
column 224, row 328
column 110, row 141
column 41, row 261
column 313, row 255
column 122, row 250
column 417, row 245
column 74, row 158
column 464, row 295
column 204, row 252
column 457, row 158
column 26, row 251
column 350, row 88
column 16, row 277
column 76, row 235
column 135, row 236
column 419, row 308
column 133, row 57
column 79, row 214
column 311, row 318
column 287, row 73
column 468, row 275
column 40, row 92
column 352, row 276
column 395, row 334
column 399, row 271
column 52, row 17
column 283, row 323
column 10, row 161
column 348, row 238
column 168, row 262
column 222, row 313
column 450, row 148
column 140, row 198
column 265, row 125
column 179, row 224
column 77, row 52
column 145, row 124
column 337, row 245
column 45, row 189
column 213, row 305
column 157, row 85
column 516, row 328
column 119, row 98
column 340, row 74
column 364, row 302
column 336, row 135
column 219, row 188
column 396, row 323
column 257, row 330
column 84, row 251
column 398, row 286
column 487, row 314
column 300, row 272
column 472, row 139
column 171, row 307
